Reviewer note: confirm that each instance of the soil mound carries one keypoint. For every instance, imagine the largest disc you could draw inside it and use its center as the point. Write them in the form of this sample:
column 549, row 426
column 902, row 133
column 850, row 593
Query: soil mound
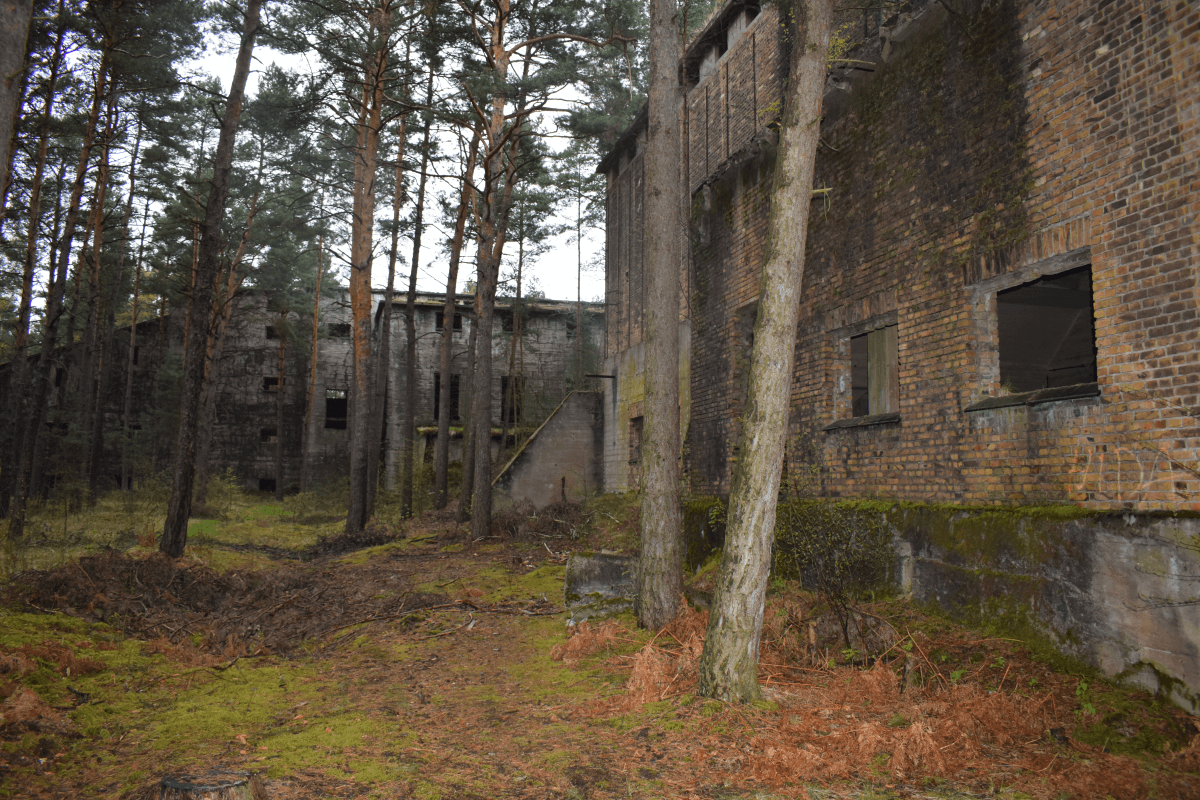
column 230, row 614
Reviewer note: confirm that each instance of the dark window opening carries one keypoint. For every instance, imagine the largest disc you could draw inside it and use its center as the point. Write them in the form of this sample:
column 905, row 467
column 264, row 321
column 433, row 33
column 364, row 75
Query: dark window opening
column 572, row 329
column 635, row 439
column 271, row 332
column 1047, row 333
column 268, row 435
column 58, row 376
column 266, row 484
column 506, row 322
column 335, row 409
column 512, row 399
column 339, row 330
column 441, row 321
column 437, row 396
column 270, row 384
column 137, row 351
column 874, row 373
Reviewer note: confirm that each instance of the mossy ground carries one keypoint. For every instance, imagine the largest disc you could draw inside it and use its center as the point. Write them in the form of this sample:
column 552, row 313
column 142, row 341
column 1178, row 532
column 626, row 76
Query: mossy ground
column 463, row 697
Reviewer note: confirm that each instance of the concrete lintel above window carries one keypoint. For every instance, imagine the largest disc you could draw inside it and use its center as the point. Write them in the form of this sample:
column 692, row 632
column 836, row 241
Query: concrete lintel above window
column 862, row 422
column 1076, row 392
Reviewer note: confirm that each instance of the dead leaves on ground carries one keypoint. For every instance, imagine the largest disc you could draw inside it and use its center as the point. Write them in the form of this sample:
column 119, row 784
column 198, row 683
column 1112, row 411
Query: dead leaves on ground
column 985, row 726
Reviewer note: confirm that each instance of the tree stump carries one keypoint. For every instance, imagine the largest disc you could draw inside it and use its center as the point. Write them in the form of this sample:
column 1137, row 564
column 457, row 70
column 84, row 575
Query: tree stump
column 213, row 785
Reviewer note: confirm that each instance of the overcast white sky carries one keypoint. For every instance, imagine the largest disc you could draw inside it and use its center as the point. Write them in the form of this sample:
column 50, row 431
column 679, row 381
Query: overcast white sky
column 555, row 271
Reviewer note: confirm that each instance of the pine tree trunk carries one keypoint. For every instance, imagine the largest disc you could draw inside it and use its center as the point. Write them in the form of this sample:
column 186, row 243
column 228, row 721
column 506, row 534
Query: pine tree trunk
column 409, row 425
column 362, row 228
column 280, row 396
column 466, row 489
column 54, row 310
column 127, row 407
column 441, row 460
column 93, row 343
column 383, row 361
column 15, row 16
column 174, row 537
column 660, row 573
column 309, row 404
column 729, row 665
column 19, row 387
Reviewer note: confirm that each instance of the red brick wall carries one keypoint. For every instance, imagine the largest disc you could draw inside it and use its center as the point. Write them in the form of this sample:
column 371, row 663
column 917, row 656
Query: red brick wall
column 987, row 147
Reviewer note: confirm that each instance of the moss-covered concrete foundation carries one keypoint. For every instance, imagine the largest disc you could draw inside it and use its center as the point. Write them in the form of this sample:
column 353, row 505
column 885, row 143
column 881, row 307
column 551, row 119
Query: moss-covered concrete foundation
column 1119, row 593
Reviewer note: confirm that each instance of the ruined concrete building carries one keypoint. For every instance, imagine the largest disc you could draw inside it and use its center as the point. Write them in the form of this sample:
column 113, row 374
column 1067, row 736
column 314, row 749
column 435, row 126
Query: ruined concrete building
column 264, row 355
column 998, row 332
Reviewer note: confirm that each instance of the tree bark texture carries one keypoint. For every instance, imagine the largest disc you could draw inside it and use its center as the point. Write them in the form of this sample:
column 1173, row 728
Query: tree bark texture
column 15, row 16
column 466, row 489
column 174, row 536
column 361, row 237
column 660, row 574
column 311, row 393
column 55, row 303
column 409, row 424
column 19, row 387
column 441, row 458
column 729, row 665
column 384, row 359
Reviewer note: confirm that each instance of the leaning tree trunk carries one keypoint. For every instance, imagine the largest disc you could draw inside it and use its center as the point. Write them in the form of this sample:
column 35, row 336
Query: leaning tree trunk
column 174, row 536
column 729, row 665
column 660, row 574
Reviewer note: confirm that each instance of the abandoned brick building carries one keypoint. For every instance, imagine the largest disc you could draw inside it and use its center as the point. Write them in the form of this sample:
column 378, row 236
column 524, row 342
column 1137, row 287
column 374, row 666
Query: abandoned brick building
column 998, row 330
column 242, row 421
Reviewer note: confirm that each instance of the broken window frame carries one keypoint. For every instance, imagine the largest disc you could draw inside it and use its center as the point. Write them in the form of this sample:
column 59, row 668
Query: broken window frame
column 988, row 392
column 340, row 330
column 887, row 384
column 875, row 372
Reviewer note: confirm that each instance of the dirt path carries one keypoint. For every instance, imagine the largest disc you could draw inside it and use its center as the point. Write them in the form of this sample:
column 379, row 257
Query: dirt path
column 431, row 668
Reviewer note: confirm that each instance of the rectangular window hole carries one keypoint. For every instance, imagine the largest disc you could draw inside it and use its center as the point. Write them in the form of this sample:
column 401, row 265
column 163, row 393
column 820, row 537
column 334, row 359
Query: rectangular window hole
column 441, row 321
column 437, row 396
column 874, row 372
column 335, row 409
column 1047, row 333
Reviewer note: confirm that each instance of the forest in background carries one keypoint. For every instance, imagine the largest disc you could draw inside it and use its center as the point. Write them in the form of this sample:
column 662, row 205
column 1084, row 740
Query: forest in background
column 135, row 187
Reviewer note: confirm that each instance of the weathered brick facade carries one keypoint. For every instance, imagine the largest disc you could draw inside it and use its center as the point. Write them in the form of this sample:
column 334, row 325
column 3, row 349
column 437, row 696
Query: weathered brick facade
column 247, row 382
column 1000, row 296
column 986, row 149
